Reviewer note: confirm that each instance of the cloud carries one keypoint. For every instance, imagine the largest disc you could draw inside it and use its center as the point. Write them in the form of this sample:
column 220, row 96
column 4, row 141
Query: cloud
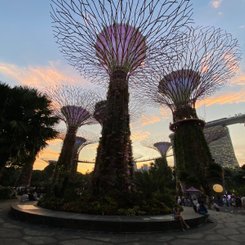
column 230, row 97
column 239, row 79
column 226, row 98
column 165, row 112
column 43, row 158
column 40, row 76
column 140, row 135
column 216, row 3
column 149, row 119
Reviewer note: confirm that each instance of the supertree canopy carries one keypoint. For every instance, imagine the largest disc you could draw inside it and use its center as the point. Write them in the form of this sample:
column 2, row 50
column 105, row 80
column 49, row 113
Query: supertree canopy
column 98, row 37
column 208, row 60
column 74, row 106
column 121, row 46
column 114, row 39
column 162, row 147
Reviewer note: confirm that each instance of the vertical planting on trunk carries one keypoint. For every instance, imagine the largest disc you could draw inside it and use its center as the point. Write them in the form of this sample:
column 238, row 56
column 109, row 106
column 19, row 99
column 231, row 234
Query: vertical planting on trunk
column 112, row 162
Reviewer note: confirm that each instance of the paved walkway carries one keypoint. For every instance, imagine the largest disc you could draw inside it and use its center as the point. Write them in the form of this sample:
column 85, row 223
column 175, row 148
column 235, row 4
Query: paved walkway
column 227, row 229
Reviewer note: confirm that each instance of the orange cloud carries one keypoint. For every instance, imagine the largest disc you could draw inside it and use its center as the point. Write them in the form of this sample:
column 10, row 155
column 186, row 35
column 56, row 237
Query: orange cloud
column 238, row 80
column 165, row 112
column 40, row 76
column 43, row 158
column 140, row 135
column 149, row 119
column 226, row 98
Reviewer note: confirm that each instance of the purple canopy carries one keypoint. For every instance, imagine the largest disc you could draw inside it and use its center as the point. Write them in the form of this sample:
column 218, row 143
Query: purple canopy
column 120, row 46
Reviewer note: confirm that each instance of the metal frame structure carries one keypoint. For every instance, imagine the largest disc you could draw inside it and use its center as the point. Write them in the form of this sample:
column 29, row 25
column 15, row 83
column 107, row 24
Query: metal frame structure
column 98, row 36
column 208, row 59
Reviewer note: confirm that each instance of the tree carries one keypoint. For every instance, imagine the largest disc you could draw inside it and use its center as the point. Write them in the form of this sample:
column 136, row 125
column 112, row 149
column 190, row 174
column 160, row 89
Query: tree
column 157, row 184
column 27, row 123
column 4, row 149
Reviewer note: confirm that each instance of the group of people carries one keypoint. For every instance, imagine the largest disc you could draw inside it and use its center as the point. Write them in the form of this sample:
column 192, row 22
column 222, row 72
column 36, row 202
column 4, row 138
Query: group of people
column 198, row 203
column 29, row 193
column 230, row 200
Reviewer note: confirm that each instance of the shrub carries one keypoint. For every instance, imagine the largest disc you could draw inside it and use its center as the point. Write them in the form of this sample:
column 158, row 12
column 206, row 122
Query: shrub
column 6, row 193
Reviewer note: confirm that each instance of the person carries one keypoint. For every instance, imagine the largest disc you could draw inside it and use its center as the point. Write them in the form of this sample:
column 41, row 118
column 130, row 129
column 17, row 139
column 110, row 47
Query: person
column 243, row 201
column 195, row 204
column 178, row 217
column 24, row 197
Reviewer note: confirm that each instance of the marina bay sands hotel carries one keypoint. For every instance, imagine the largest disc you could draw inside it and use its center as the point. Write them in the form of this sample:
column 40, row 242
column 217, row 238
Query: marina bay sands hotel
column 219, row 140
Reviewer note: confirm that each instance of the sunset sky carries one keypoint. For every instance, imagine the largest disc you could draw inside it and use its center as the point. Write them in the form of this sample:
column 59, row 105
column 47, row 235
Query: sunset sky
column 30, row 56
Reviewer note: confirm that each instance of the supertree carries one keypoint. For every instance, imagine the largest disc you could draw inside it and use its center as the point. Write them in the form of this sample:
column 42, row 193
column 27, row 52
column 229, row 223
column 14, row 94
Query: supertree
column 161, row 147
column 208, row 60
column 74, row 106
column 114, row 39
column 83, row 139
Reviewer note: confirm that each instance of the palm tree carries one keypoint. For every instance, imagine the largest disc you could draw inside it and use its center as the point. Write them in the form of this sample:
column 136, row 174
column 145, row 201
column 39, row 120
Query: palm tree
column 28, row 125
column 4, row 151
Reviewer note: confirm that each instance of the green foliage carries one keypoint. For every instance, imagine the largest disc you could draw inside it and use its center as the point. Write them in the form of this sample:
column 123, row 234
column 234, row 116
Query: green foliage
column 235, row 180
column 111, row 172
column 26, row 124
column 192, row 155
column 51, row 202
column 105, row 206
column 6, row 193
column 154, row 194
column 215, row 174
column 9, row 176
column 156, row 185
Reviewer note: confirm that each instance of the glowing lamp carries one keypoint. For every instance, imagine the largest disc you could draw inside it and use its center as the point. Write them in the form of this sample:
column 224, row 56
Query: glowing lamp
column 120, row 46
column 218, row 188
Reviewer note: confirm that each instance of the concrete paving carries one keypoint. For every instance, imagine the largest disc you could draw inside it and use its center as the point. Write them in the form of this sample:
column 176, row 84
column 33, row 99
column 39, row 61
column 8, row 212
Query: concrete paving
column 227, row 229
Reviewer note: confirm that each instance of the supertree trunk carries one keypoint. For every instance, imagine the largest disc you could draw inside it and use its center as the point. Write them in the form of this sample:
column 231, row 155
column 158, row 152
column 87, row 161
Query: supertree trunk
column 111, row 171
column 74, row 164
column 192, row 155
column 129, row 153
column 64, row 164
